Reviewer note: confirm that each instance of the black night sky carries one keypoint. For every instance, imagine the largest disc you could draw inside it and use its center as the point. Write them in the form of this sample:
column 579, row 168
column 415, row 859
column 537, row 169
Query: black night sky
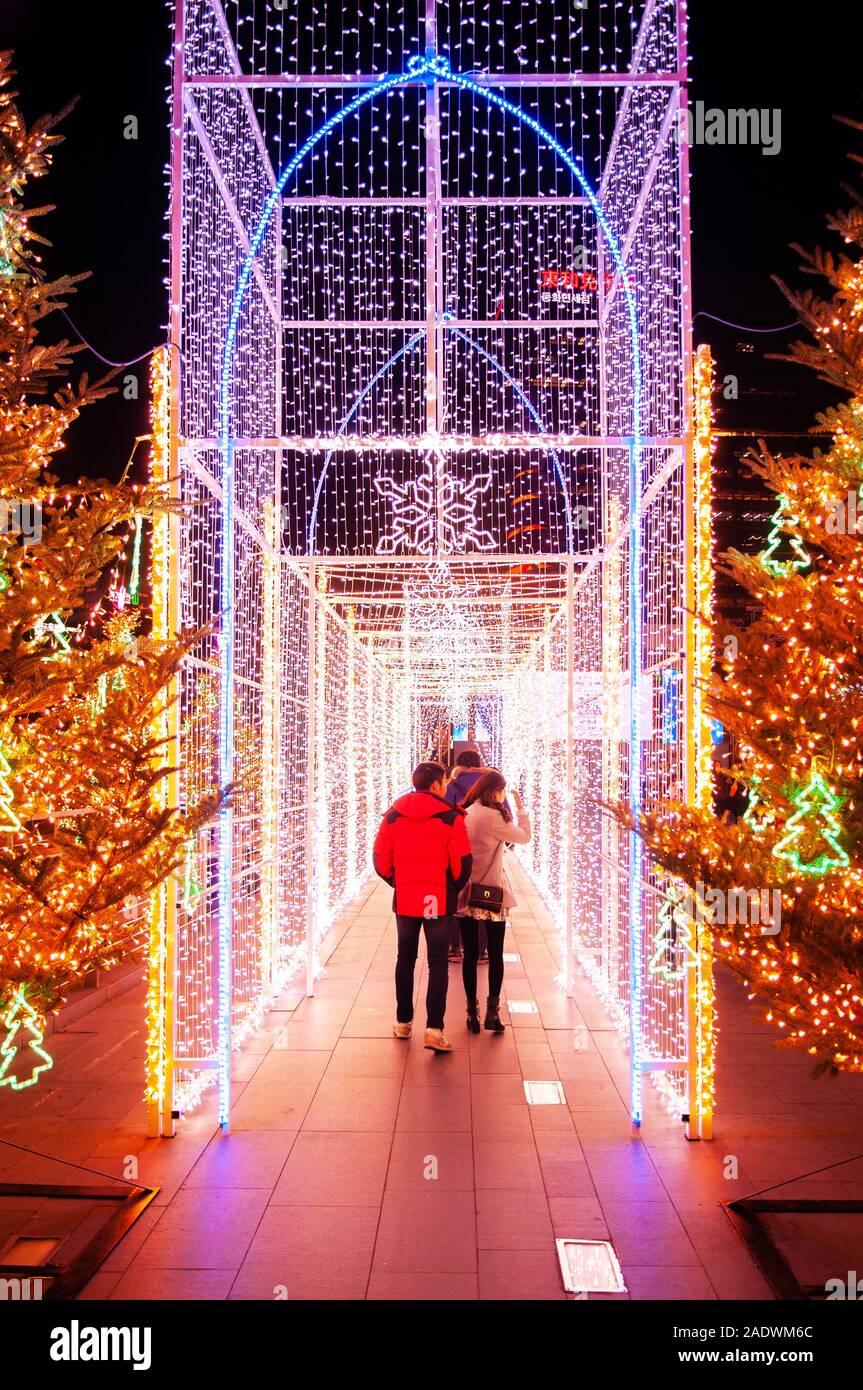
column 747, row 207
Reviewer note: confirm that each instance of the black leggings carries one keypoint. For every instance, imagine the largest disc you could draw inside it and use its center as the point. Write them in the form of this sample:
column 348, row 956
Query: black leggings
column 470, row 942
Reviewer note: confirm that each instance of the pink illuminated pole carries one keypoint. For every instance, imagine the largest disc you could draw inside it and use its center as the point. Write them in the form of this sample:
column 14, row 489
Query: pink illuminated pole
column 222, row 154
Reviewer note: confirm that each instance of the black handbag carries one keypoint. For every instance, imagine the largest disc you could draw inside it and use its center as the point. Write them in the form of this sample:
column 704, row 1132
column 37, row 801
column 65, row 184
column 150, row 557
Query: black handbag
column 486, row 895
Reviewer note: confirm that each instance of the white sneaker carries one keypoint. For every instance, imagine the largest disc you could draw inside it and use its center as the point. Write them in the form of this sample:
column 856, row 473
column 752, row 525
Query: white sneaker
column 402, row 1030
column 436, row 1041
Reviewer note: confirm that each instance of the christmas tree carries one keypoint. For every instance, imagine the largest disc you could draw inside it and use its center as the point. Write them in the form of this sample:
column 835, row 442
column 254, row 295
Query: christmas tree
column 32, row 424
column 84, row 684
column 793, row 698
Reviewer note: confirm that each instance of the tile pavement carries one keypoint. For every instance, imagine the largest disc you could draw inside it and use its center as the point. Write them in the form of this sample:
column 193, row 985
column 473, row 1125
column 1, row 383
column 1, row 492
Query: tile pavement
column 363, row 1167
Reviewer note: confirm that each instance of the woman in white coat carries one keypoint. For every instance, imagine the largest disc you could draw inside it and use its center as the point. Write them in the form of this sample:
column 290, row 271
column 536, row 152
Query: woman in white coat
column 490, row 828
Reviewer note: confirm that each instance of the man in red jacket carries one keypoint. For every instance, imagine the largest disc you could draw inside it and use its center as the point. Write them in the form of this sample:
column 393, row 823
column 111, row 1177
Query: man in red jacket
column 423, row 850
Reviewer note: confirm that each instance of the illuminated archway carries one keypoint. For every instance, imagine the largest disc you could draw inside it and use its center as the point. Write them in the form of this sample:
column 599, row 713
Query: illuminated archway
column 431, row 68
column 284, row 322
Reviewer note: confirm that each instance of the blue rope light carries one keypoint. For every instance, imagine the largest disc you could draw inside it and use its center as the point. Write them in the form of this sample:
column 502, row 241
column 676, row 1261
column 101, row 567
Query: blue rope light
column 429, row 67
column 636, row 924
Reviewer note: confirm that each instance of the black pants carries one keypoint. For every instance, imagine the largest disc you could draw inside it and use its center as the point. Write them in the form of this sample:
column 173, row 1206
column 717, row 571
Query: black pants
column 437, row 939
column 470, row 940
column 455, row 935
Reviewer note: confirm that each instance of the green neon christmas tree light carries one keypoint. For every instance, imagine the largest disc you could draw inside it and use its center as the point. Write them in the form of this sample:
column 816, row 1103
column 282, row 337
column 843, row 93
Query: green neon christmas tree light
column 8, row 819
column 673, row 941
column 6, row 267
column 135, row 577
column 816, row 808
column 191, row 883
column 765, row 814
column 53, row 626
column 778, row 568
column 22, row 1015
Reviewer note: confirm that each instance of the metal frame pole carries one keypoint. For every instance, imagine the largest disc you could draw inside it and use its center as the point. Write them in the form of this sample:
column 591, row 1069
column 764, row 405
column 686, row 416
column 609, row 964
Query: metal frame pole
column 702, row 1067
column 294, row 82
column 163, row 1122
column 275, row 774
column 636, row 891
column 270, row 751
column 165, row 616
column 434, row 329
column 609, row 838
column 569, row 896
column 351, row 876
column 692, row 732
column 311, row 787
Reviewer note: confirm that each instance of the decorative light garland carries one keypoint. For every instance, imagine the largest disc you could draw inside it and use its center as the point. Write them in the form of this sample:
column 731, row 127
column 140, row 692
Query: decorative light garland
column 21, row 1014
column 703, row 997
column 779, row 569
column 816, row 797
column 158, row 983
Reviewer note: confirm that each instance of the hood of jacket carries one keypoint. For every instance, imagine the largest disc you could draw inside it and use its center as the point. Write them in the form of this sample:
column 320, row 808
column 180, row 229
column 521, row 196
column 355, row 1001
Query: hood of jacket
column 463, row 781
column 420, row 806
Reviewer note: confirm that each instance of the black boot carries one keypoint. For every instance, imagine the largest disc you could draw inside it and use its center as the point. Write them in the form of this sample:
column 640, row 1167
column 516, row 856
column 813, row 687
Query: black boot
column 473, row 1015
column 492, row 1015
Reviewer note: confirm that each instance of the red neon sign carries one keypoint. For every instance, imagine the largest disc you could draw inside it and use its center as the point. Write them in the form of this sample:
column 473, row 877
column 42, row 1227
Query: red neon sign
column 574, row 280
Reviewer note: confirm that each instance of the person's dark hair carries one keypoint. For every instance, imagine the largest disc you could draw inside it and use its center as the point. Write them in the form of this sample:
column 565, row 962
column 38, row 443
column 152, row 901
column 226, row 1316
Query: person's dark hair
column 426, row 774
column 483, row 790
column 469, row 758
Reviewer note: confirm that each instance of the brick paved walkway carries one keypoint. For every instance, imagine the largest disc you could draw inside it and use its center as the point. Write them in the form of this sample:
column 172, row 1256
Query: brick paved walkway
column 320, row 1190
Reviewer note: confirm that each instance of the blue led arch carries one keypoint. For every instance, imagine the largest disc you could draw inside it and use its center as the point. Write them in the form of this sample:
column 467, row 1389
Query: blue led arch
column 428, row 68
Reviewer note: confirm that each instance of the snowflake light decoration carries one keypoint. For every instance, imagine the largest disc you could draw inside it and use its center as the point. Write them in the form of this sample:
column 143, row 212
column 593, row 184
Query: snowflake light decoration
column 434, row 513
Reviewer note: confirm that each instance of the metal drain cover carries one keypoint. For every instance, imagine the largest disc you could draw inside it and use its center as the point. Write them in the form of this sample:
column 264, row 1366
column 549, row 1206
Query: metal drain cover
column 544, row 1093
column 521, row 1006
column 589, row 1266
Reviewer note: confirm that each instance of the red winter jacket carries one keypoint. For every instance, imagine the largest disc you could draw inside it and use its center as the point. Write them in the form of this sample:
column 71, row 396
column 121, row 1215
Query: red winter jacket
column 423, row 850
